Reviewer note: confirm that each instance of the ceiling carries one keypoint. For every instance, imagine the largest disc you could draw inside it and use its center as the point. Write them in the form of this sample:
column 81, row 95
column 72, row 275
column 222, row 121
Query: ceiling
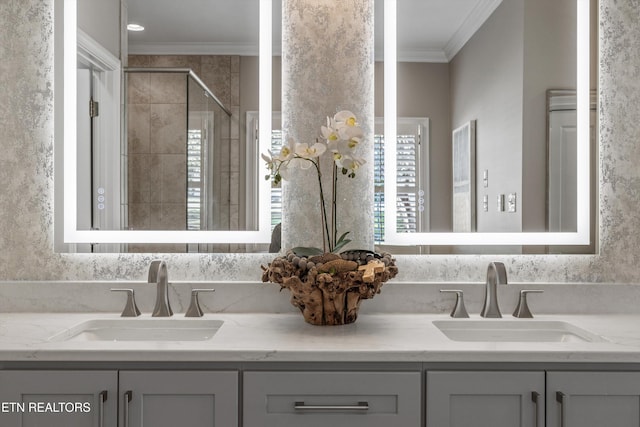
column 428, row 30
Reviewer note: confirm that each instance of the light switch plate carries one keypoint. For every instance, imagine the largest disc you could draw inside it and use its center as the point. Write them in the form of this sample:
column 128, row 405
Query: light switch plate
column 511, row 202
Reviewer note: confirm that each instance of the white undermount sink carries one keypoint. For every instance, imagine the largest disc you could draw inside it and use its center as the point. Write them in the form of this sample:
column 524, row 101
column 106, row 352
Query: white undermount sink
column 135, row 329
column 516, row 330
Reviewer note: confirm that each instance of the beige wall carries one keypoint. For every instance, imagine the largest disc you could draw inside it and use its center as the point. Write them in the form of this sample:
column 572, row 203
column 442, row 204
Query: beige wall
column 100, row 19
column 486, row 85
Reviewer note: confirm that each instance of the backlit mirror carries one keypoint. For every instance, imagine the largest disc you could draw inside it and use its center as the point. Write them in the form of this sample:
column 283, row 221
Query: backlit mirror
column 170, row 181
column 490, row 77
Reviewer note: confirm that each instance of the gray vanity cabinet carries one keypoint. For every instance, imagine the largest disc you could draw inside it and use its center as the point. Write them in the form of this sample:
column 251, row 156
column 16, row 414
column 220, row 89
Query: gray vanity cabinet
column 485, row 399
column 593, row 399
column 58, row 398
column 178, row 398
column 335, row 399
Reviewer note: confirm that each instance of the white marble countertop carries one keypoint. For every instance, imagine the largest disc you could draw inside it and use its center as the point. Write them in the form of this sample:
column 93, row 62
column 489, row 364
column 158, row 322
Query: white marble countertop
column 287, row 338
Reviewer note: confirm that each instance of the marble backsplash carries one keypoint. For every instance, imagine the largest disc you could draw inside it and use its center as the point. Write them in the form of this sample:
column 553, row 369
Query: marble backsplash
column 27, row 176
column 255, row 297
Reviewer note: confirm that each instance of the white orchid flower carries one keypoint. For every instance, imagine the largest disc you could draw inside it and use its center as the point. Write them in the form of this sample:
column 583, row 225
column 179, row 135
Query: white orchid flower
column 348, row 132
column 286, row 152
column 300, row 163
column 303, row 150
column 329, row 132
column 268, row 159
column 350, row 163
column 346, row 117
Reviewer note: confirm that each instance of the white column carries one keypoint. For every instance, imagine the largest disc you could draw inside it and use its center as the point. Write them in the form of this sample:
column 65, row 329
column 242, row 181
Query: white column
column 327, row 66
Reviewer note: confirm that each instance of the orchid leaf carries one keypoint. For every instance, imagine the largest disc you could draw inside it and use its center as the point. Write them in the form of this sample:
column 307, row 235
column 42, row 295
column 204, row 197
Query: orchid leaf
column 342, row 237
column 341, row 242
column 304, row 251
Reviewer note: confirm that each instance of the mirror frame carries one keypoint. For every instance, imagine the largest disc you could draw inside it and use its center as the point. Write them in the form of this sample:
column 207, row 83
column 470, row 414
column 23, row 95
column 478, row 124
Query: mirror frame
column 66, row 136
column 580, row 237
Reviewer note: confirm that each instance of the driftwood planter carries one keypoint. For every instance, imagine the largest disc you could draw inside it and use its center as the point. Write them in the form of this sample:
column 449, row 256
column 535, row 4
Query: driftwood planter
column 328, row 289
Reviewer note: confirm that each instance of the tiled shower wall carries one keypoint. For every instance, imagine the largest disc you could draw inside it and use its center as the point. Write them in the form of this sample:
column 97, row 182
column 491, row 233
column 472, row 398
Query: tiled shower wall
column 156, row 134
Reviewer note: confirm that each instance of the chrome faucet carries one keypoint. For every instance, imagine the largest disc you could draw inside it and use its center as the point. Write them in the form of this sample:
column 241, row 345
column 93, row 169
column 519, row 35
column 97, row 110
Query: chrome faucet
column 158, row 275
column 496, row 275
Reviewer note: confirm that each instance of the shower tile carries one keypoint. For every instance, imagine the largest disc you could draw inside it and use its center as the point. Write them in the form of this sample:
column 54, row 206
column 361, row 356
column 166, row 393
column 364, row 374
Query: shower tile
column 234, row 188
column 234, row 217
column 234, row 156
column 223, row 123
column 216, row 74
column 173, row 181
column 139, row 216
column 235, row 122
column 235, row 64
column 138, row 61
column 167, row 88
column 222, row 151
column 168, row 128
column 155, row 173
column 224, row 196
column 137, row 88
column 139, row 184
column 168, row 216
column 138, row 126
column 235, row 90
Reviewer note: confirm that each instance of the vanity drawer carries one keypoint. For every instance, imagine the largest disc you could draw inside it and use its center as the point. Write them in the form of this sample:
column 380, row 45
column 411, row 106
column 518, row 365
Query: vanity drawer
column 334, row 399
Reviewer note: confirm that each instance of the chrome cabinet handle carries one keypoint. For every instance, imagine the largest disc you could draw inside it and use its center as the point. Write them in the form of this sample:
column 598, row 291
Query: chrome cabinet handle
column 535, row 398
column 560, row 399
column 103, row 397
column 361, row 406
column 127, row 398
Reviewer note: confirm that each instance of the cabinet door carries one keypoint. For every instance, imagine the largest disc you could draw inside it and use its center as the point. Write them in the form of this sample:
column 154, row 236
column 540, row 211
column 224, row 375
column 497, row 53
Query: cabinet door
column 335, row 399
column 593, row 399
column 178, row 398
column 485, row 399
column 58, row 398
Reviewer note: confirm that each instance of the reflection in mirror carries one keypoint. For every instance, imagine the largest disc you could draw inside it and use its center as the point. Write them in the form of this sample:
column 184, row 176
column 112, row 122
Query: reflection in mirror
column 490, row 63
column 172, row 182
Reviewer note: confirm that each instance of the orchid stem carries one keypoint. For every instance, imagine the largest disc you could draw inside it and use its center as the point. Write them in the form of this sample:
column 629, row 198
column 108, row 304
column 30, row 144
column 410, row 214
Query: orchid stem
column 325, row 237
column 334, row 206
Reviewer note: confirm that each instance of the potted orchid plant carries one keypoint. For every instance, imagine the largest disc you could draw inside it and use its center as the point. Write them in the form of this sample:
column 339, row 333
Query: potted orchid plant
column 340, row 137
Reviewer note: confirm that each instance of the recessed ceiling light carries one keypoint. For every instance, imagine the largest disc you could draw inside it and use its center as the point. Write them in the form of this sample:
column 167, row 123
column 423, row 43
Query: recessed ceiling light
column 135, row 27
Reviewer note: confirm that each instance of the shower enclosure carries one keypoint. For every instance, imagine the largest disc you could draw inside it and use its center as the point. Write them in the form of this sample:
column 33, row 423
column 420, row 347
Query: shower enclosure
column 172, row 163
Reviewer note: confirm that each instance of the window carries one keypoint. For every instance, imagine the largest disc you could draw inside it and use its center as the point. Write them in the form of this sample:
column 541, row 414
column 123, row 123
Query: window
column 411, row 178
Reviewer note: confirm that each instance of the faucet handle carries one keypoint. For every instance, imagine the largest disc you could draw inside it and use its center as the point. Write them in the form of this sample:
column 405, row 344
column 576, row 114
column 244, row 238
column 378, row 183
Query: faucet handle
column 130, row 309
column 459, row 310
column 522, row 309
column 194, row 306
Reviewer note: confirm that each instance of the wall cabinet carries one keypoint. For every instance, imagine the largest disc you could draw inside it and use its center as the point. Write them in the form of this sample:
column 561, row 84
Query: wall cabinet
column 337, row 399
column 146, row 398
column 593, row 399
column 485, row 399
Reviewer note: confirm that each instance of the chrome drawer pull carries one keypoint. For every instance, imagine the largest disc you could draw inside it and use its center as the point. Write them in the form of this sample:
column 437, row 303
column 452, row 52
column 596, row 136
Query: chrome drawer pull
column 560, row 398
column 103, row 398
column 361, row 406
column 127, row 398
column 535, row 398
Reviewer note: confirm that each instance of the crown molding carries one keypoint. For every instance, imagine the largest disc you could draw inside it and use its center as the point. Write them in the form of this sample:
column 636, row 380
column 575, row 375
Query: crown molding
column 471, row 24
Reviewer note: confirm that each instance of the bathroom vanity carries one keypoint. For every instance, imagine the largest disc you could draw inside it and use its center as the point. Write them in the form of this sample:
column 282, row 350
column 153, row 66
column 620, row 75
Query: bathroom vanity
column 275, row 370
